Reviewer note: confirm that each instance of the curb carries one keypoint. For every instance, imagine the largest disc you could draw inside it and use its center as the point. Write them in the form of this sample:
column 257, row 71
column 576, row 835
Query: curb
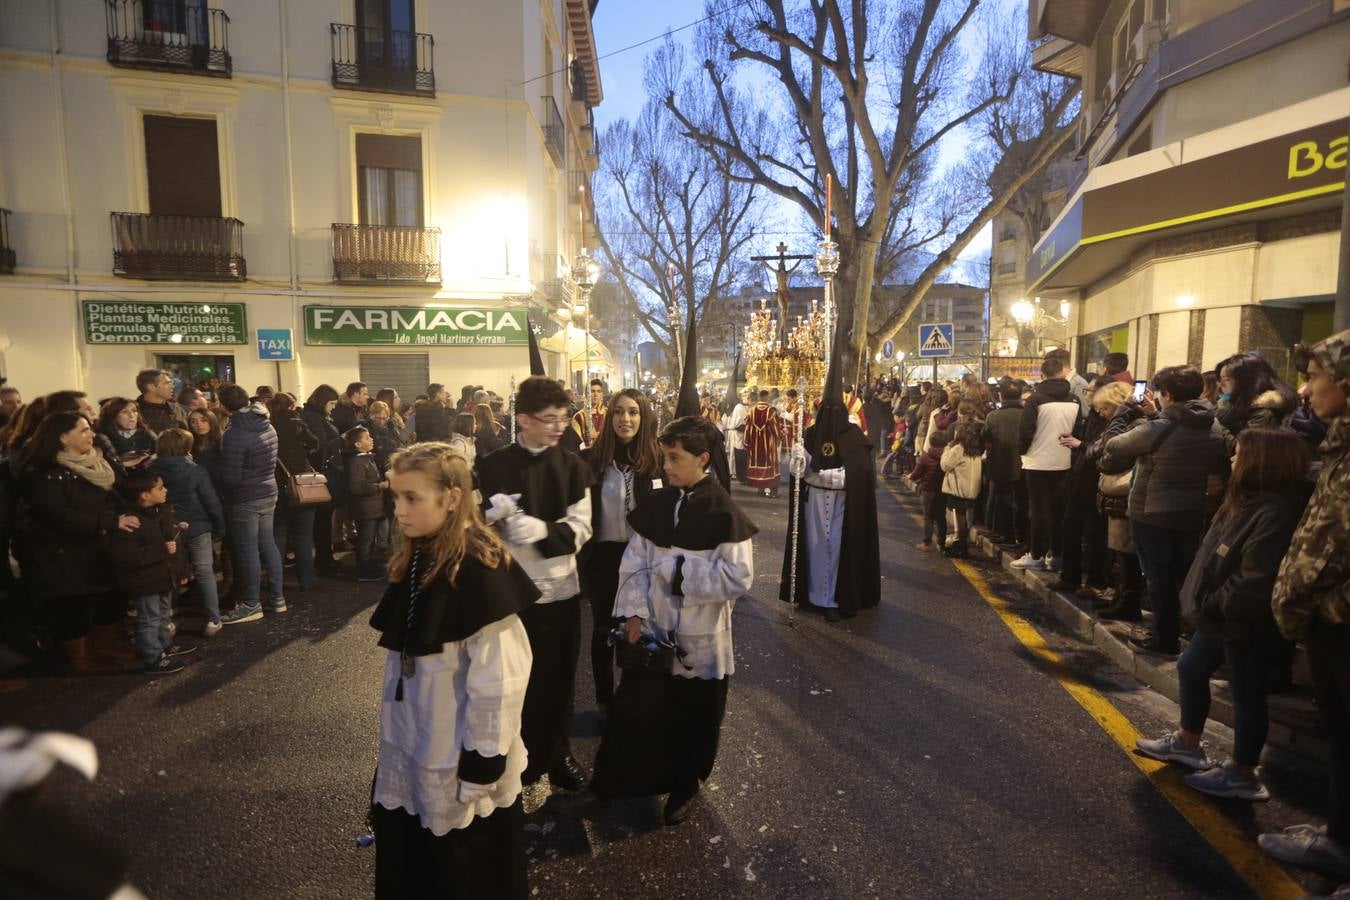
column 1294, row 722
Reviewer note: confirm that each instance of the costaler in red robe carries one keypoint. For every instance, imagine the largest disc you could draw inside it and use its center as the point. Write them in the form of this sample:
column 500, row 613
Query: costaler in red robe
column 763, row 429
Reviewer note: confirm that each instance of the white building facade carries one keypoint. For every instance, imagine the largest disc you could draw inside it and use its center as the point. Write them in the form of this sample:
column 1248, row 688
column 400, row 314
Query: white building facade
column 393, row 184
column 1208, row 219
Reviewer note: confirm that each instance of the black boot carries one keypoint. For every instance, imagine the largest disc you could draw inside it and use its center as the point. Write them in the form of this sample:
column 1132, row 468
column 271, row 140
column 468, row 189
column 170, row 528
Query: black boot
column 568, row 775
column 1125, row 609
column 679, row 804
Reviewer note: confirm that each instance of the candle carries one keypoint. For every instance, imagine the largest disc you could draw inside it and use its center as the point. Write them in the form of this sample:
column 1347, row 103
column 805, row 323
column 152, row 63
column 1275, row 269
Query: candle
column 829, row 185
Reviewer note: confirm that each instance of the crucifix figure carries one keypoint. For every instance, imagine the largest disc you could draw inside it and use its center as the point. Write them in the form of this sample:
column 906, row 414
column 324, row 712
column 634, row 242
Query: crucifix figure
column 782, row 293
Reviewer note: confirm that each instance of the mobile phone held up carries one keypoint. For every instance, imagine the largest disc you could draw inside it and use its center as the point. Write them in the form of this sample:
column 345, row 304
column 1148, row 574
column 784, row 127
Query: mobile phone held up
column 1139, row 388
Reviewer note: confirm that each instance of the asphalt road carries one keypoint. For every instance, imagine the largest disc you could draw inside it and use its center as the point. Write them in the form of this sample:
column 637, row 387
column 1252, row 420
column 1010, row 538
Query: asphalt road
column 915, row 751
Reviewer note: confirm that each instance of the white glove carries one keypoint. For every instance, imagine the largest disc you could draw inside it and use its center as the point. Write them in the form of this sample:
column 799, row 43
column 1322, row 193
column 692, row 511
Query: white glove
column 797, row 461
column 833, row 478
column 523, row 529
column 501, row 506
column 469, row 792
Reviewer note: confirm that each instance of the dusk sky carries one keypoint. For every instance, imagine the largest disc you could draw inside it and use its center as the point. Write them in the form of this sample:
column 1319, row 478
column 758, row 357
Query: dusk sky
column 620, row 24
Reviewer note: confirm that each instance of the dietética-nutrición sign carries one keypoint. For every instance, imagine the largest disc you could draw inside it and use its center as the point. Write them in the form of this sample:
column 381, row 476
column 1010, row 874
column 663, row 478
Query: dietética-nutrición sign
column 145, row 322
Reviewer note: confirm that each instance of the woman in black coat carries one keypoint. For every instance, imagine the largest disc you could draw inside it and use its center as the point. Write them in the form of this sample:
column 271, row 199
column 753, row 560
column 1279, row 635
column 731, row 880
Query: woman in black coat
column 68, row 510
column 293, row 526
column 1226, row 597
column 627, row 467
column 327, row 458
column 1084, row 527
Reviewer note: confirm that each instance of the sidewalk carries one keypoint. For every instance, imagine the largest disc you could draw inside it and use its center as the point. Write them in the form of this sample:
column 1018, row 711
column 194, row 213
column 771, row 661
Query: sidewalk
column 1294, row 722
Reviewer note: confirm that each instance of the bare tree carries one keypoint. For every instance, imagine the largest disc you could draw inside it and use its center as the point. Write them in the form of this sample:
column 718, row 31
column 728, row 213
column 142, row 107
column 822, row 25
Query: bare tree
column 868, row 90
column 670, row 225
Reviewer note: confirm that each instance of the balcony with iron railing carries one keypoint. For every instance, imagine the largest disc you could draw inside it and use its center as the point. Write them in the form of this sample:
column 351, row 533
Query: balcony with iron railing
column 174, row 35
column 391, row 254
column 182, row 248
column 8, row 260
column 555, row 132
column 379, row 59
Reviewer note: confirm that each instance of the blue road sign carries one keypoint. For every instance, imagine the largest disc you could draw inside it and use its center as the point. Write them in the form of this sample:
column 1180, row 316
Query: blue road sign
column 275, row 344
column 888, row 350
column 936, row 340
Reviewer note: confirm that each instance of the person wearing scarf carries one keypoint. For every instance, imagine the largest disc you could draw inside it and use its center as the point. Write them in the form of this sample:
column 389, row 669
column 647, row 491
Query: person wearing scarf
column 69, row 511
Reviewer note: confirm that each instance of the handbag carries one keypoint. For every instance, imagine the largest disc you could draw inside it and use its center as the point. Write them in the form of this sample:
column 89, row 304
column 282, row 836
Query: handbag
column 1115, row 485
column 306, row 488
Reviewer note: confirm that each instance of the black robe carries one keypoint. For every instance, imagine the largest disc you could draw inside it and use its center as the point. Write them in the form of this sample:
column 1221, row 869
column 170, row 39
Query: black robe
column 662, row 731
column 548, row 483
column 859, row 583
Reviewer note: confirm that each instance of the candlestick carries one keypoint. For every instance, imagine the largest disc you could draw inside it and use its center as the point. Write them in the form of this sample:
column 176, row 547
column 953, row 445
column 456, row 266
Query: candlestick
column 829, row 184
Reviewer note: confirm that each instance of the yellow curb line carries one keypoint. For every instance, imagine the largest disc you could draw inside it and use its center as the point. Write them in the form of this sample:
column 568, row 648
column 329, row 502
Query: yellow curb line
column 1262, row 873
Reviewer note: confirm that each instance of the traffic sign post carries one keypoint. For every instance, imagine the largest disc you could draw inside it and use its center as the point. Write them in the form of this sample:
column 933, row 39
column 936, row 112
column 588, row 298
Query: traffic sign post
column 936, row 341
column 275, row 344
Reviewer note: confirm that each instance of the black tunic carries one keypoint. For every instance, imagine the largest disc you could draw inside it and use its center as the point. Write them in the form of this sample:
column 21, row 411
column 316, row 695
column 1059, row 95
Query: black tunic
column 548, row 483
column 859, row 583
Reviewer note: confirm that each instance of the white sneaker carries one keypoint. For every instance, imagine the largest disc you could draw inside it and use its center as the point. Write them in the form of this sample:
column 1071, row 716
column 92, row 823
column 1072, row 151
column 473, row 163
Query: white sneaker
column 1028, row 562
column 211, row 629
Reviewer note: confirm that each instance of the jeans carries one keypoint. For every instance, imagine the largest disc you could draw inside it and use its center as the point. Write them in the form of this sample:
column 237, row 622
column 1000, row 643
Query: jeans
column 255, row 546
column 1002, row 513
column 1165, row 555
column 1329, row 658
column 934, row 516
column 297, row 522
column 365, row 545
column 1085, row 553
column 152, row 625
column 204, row 573
column 1248, row 676
column 1045, row 502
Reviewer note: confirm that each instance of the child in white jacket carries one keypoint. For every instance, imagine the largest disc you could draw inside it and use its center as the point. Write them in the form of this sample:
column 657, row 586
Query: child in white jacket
column 963, row 463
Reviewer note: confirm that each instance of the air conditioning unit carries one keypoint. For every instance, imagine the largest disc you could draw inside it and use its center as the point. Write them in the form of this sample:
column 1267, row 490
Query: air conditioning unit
column 1146, row 39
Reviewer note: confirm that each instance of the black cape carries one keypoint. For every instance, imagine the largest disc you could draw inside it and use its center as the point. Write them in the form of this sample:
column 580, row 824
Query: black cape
column 448, row 613
column 708, row 518
column 859, row 583
column 548, row 483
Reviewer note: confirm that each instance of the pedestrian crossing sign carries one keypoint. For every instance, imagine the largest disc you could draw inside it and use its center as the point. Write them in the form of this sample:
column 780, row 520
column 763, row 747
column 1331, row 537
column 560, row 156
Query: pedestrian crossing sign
column 936, row 340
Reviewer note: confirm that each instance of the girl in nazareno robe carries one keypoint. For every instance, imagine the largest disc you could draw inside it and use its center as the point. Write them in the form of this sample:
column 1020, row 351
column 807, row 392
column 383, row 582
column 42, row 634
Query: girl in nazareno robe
column 446, row 808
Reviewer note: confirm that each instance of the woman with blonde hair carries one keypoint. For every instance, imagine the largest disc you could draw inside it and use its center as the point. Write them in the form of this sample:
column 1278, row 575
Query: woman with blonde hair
column 446, row 808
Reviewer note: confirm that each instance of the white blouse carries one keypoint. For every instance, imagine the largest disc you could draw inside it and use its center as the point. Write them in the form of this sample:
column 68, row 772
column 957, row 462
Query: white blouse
column 467, row 697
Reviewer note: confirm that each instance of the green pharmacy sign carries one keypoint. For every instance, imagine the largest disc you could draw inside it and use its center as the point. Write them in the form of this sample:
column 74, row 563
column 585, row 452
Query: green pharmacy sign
column 144, row 322
column 413, row 326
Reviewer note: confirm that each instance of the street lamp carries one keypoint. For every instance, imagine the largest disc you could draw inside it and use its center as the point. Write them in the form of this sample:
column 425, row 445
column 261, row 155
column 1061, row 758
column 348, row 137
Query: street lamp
column 585, row 271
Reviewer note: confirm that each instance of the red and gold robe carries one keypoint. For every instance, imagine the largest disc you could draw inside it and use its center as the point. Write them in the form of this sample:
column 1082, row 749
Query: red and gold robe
column 763, row 429
column 597, row 423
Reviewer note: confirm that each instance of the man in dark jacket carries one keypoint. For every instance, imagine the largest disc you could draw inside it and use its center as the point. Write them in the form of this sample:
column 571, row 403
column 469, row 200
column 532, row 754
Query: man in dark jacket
column 247, row 470
column 351, row 407
column 1007, row 497
column 1175, row 448
column 156, row 401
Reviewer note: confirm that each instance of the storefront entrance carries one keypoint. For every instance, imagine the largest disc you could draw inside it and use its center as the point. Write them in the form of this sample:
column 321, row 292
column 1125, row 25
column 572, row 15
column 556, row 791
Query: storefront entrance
column 200, row 370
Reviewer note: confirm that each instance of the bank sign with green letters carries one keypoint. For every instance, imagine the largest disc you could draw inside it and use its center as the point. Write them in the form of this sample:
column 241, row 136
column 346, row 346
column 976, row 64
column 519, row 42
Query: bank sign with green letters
column 413, row 326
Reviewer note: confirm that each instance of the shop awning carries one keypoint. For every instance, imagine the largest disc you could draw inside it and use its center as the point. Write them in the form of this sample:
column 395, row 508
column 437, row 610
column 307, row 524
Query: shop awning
column 1294, row 173
column 571, row 343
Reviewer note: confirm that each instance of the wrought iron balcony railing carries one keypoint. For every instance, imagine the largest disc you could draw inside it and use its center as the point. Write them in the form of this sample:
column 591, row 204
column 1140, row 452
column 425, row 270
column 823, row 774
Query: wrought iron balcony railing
column 378, row 59
column 555, row 133
column 386, row 253
column 179, row 35
column 7, row 258
column 183, row 248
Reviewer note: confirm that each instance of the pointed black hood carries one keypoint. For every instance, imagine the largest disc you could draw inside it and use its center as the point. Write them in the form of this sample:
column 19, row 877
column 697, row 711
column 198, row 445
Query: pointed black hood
column 688, row 404
column 536, row 360
column 822, row 438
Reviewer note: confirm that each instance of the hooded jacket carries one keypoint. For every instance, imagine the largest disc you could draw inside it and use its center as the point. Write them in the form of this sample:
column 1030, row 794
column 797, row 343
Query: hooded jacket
column 1227, row 591
column 1050, row 411
column 927, row 472
column 248, row 456
column 962, row 472
column 1174, row 454
column 141, row 560
column 191, row 495
column 1314, row 579
column 1270, row 409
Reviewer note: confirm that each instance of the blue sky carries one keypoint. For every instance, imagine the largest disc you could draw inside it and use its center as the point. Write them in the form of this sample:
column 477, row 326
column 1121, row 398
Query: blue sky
column 620, row 23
